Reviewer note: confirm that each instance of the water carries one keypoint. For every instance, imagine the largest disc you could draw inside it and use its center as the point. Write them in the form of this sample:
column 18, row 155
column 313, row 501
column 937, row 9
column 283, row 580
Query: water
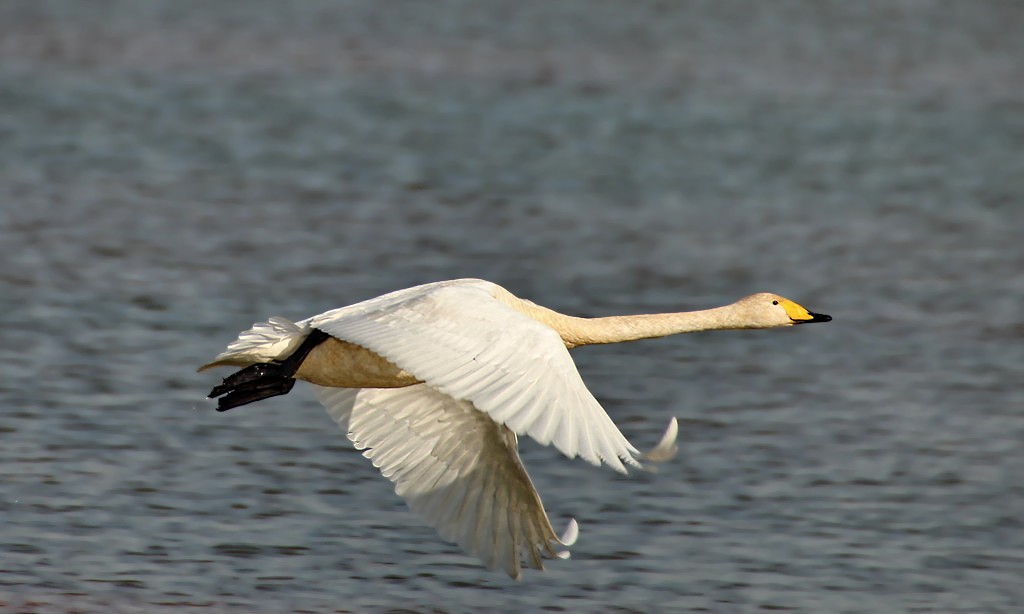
column 172, row 171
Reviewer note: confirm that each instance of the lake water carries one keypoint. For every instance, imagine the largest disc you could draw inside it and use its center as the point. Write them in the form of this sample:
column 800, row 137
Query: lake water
column 171, row 172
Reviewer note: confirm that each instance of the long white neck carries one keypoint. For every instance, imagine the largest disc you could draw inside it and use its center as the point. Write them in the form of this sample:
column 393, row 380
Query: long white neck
column 616, row 329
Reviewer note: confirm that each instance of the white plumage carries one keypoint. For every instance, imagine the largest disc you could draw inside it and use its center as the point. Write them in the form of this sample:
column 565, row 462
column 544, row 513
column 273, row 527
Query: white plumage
column 463, row 342
column 434, row 382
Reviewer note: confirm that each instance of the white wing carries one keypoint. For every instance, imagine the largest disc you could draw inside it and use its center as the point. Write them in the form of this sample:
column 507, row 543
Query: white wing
column 459, row 339
column 455, row 467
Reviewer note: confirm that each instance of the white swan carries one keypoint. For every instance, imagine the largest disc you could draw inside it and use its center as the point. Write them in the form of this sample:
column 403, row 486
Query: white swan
column 434, row 383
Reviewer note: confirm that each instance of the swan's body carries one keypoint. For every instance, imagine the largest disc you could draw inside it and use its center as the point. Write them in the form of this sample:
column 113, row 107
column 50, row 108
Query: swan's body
column 435, row 382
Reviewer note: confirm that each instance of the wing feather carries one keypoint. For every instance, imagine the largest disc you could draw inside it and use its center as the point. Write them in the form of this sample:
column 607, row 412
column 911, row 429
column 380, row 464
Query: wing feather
column 339, row 403
column 454, row 466
column 461, row 340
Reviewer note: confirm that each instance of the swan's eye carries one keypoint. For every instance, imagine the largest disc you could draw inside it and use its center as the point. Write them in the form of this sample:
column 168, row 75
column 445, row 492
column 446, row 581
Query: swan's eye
column 775, row 302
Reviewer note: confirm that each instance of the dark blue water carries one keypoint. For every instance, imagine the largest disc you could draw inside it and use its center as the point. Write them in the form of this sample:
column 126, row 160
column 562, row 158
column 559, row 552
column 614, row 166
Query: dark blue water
column 172, row 171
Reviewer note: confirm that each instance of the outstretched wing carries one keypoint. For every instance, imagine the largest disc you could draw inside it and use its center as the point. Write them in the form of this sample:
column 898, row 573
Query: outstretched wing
column 455, row 467
column 459, row 339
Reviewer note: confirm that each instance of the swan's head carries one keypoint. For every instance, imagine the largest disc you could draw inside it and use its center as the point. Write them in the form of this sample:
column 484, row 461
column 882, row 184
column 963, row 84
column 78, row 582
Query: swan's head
column 767, row 310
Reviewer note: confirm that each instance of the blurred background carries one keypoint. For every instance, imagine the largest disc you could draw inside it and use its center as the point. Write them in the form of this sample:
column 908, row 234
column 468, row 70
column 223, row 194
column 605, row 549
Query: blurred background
column 171, row 171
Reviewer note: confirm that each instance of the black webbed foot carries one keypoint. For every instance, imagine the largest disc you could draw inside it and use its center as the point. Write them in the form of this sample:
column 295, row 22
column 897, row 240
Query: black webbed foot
column 265, row 379
column 251, row 375
column 255, row 391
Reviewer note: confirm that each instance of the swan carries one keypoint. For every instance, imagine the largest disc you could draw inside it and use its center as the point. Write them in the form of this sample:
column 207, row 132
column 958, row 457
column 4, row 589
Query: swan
column 434, row 383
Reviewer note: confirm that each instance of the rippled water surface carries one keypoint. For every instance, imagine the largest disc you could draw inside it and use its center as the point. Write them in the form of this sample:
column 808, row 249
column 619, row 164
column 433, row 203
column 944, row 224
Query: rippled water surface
column 172, row 171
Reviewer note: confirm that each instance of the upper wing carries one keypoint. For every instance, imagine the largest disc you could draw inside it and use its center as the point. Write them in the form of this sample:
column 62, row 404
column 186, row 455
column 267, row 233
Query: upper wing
column 454, row 466
column 459, row 339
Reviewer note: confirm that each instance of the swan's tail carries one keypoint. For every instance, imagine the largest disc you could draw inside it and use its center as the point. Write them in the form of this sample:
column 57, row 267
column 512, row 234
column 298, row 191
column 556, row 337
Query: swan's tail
column 265, row 341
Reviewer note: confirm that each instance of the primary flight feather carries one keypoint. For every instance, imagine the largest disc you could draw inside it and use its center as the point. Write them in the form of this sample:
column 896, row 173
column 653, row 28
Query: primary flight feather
column 435, row 382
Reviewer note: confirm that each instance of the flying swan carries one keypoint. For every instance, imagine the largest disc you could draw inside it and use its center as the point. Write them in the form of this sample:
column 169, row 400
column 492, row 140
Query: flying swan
column 433, row 383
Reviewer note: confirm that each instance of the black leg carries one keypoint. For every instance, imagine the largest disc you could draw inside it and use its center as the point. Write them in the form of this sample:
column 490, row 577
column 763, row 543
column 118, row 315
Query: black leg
column 265, row 379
